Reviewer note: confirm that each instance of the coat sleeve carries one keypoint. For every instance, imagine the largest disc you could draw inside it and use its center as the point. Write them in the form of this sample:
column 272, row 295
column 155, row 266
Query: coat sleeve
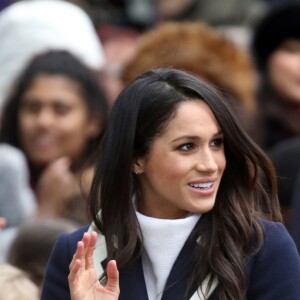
column 275, row 271
column 55, row 284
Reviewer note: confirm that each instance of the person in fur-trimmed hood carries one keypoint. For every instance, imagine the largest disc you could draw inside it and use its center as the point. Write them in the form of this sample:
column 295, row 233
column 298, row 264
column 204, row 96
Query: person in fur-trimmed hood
column 202, row 50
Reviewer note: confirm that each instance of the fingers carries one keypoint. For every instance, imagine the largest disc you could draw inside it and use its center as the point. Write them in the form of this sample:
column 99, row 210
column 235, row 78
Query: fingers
column 56, row 170
column 74, row 269
column 113, row 277
column 61, row 164
column 89, row 259
column 55, row 187
column 85, row 250
column 78, row 255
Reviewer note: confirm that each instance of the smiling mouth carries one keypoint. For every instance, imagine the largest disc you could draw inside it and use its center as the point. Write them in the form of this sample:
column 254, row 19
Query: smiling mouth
column 202, row 186
column 44, row 142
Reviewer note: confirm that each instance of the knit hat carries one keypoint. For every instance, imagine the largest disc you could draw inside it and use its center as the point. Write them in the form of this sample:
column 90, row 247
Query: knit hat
column 30, row 27
column 280, row 23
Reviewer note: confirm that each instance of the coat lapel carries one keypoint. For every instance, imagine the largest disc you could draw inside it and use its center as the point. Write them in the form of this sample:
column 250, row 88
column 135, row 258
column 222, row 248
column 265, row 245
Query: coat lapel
column 198, row 295
column 100, row 252
column 179, row 278
column 132, row 282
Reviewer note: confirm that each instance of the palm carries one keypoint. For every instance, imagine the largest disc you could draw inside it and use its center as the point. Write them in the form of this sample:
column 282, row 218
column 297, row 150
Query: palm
column 83, row 280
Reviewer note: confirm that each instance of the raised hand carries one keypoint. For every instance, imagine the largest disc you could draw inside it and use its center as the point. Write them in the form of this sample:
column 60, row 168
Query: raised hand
column 56, row 186
column 83, row 280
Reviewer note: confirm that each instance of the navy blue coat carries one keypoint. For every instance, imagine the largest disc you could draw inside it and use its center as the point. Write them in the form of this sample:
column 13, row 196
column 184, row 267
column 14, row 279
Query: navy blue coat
column 273, row 273
column 295, row 210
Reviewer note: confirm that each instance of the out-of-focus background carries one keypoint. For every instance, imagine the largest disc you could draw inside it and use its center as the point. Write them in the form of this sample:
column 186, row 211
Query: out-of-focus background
column 63, row 64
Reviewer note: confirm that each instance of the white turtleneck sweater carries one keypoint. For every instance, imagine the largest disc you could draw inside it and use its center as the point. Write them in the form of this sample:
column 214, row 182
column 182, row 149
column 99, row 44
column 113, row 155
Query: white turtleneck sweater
column 163, row 240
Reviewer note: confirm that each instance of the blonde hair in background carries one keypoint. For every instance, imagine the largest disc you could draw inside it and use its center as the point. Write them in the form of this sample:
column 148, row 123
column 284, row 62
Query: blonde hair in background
column 15, row 285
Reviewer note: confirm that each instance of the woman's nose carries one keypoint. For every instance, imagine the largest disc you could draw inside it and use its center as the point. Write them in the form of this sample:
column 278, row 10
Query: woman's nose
column 206, row 163
column 45, row 118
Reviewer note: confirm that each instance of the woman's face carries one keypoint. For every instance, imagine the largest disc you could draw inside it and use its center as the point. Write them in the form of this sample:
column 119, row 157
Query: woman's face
column 284, row 70
column 181, row 173
column 54, row 120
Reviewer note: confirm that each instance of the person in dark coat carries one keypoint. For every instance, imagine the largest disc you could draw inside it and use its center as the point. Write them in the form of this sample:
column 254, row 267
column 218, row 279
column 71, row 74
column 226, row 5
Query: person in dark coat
column 178, row 205
column 276, row 51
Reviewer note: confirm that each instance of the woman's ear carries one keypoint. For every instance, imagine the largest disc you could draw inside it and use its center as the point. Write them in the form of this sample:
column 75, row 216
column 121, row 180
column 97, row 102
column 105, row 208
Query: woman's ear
column 138, row 166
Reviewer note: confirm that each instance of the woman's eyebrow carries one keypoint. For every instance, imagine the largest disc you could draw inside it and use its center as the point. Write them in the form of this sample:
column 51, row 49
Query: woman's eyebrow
column 185, row 137
column 194, row 137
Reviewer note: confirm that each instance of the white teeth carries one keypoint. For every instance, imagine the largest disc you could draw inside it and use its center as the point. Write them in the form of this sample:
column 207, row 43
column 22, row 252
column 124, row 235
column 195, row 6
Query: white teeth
column 204, row 185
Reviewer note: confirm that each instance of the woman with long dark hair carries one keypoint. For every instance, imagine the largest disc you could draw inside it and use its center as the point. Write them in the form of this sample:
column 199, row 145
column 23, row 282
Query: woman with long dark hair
column 55, row 114
column 184, row 204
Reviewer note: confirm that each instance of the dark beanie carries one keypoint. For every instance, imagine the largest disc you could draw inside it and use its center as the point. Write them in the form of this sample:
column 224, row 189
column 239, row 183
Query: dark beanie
column 280, row 23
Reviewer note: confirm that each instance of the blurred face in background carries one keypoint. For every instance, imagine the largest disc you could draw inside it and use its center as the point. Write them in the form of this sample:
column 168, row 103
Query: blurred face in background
column 284, row 70
column 54, row 120
column 118, row 49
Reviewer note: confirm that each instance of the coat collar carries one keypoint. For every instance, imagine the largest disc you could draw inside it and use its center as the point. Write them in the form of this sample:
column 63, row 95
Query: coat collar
column 132, row 282
column 100, row 252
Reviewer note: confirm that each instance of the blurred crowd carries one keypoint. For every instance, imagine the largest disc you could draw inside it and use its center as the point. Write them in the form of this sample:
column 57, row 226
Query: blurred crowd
column 63, row 63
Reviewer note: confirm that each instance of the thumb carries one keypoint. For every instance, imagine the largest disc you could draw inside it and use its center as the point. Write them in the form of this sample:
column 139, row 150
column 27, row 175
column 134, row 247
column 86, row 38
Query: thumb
column 113, row 277
column 62, row 163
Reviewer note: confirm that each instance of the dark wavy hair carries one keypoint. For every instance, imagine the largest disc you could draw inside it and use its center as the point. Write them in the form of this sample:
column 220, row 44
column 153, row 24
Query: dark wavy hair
column 53, row 62
column 231, row 230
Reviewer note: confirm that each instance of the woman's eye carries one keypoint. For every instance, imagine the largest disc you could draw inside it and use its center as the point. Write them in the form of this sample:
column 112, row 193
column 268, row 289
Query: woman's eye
column 291, row 46
column 31, row 107
column 217, row 143
column 186, row 147
column 62, row 109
